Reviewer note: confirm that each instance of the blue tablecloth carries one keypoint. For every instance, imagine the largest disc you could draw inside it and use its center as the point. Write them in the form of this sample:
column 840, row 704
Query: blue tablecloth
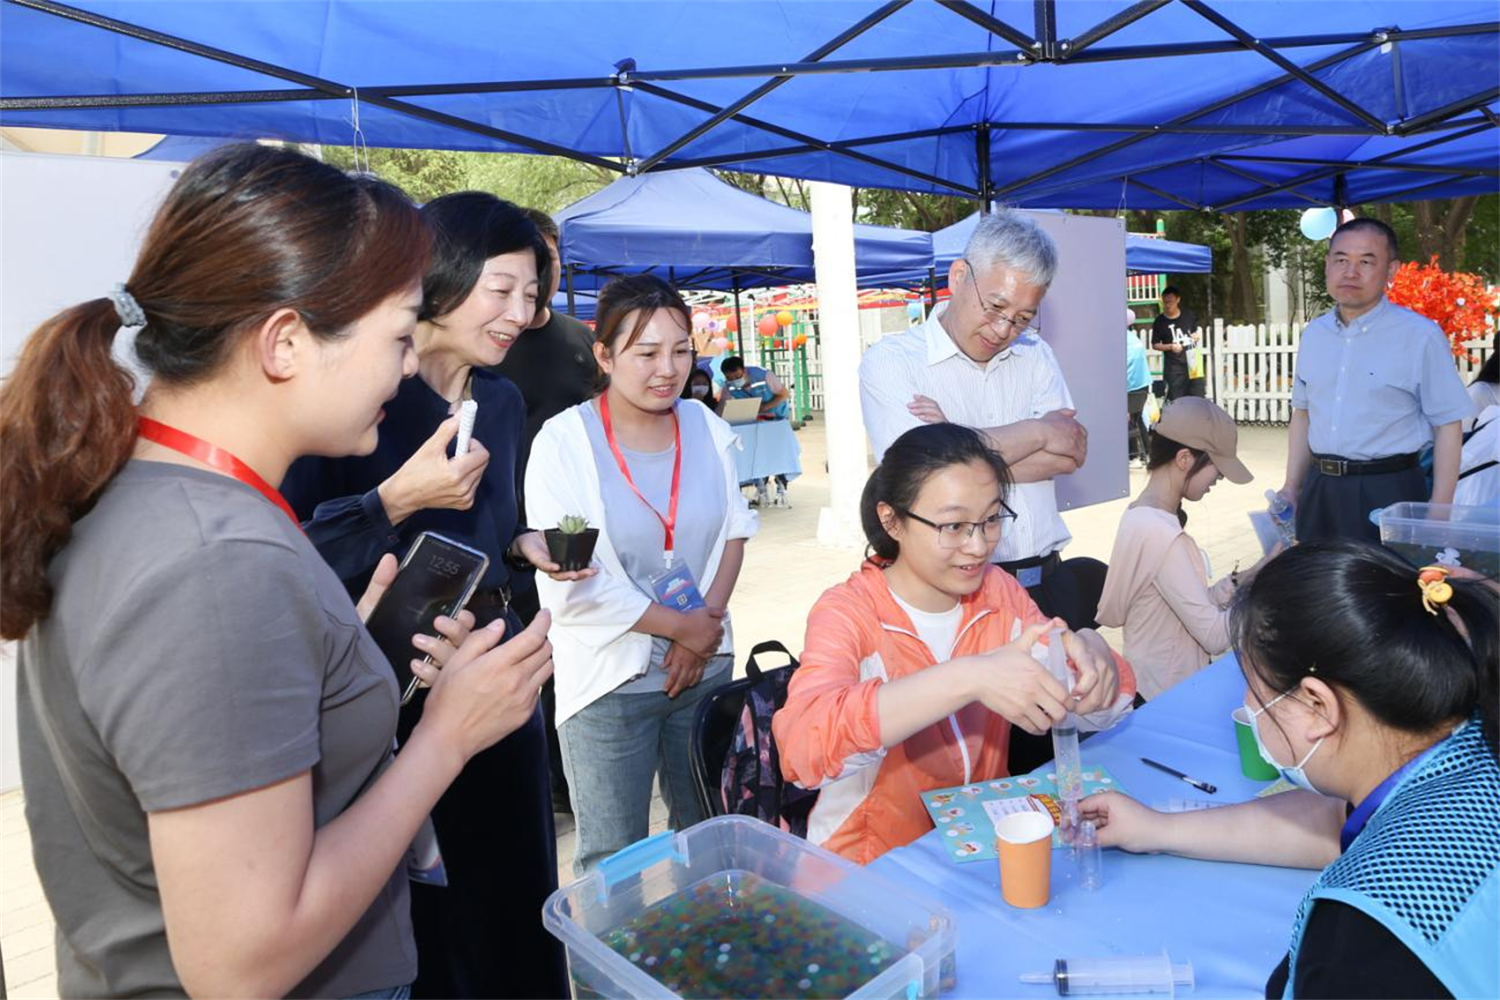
column 1232, row 921
column 770, row 449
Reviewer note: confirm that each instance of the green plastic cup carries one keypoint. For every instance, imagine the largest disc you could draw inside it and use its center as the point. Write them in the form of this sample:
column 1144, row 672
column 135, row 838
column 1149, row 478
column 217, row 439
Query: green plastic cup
column 1252, row 764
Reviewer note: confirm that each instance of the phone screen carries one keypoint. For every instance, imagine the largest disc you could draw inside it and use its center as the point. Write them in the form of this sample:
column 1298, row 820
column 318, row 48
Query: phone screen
column 436, row 578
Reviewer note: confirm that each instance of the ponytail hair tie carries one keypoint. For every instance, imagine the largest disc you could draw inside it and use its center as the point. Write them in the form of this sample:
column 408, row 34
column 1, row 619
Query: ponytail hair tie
column 1435, row 588
column 126, row 307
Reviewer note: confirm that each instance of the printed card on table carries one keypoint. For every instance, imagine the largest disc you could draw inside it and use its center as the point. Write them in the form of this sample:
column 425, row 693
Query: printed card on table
column 966, row 814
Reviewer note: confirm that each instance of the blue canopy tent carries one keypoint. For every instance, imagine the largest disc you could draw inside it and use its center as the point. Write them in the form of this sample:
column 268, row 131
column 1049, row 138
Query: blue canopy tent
column 1083, row 104
column 699, row 232
column 1145, row 255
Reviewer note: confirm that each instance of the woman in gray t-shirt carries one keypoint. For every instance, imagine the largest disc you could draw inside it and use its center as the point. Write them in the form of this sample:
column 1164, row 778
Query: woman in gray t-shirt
column 205, row 724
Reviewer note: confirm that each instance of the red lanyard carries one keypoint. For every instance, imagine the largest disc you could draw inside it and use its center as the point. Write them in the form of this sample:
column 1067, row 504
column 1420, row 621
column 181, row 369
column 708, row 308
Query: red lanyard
column 668, row 523
column 213, row 455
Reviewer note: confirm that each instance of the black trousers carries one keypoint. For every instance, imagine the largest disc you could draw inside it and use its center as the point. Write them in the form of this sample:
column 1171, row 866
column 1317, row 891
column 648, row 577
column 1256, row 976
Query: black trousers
column 1071, row 592
column 481, row 935
column 1339, row 506
column 1179, row 385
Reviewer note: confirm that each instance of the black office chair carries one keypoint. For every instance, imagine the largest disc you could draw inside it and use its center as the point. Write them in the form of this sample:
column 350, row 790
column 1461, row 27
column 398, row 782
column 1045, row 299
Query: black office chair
column 715, row 723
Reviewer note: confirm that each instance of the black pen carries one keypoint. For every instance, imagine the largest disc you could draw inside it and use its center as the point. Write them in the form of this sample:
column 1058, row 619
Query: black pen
column 1202, row 786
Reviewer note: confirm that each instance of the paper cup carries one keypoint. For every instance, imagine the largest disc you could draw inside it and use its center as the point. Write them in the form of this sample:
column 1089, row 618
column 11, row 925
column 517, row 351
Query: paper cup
column 1024, row 843
column 1252, row 764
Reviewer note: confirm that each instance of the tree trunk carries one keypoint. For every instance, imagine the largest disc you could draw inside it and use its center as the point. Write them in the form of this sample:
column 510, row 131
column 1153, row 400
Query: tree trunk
column 1242, row 298
column 1441, row 229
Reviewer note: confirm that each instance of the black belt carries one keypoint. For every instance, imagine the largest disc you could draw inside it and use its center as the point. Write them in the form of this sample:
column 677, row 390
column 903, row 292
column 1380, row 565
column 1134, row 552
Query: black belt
column 1335, row 465
column 1046, row 564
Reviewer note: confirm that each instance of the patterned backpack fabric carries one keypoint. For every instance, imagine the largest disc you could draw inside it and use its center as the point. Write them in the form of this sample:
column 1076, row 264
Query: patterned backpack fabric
column 751, row 782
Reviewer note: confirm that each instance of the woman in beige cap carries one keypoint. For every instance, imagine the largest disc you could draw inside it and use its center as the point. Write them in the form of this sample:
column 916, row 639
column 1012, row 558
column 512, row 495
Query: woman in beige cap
column 1157, row 588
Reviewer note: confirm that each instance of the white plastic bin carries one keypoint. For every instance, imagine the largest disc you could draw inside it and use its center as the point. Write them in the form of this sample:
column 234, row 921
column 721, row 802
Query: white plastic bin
column 736, row 907
column 1432, row 533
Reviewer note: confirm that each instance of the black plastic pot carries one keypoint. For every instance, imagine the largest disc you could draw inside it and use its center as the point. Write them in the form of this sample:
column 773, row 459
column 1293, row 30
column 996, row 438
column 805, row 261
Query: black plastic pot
column 572, row 552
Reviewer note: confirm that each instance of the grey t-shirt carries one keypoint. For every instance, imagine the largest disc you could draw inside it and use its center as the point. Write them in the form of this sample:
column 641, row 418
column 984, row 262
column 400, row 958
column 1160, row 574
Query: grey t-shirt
column 197, row 647
column 636, row 533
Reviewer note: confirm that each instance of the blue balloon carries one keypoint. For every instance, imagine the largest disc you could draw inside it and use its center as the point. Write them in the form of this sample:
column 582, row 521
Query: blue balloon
column 914, row 311
column 1319, row 223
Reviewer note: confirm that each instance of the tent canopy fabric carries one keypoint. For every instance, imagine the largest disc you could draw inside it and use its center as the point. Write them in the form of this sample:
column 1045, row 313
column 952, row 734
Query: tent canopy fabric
column 1145, row 255
column 698, row 231
column 1094, row 103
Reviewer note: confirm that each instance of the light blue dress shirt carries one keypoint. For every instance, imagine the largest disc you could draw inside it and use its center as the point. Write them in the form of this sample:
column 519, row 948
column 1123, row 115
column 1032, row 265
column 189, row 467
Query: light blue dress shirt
column 1377, row 386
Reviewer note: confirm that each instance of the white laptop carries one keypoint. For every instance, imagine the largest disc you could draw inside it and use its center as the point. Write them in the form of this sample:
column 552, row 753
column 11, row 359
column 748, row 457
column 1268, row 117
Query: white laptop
column 740, row 411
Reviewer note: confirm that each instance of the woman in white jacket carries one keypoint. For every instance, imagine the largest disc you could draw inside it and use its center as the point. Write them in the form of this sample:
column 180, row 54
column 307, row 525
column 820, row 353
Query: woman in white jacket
column 639, row 644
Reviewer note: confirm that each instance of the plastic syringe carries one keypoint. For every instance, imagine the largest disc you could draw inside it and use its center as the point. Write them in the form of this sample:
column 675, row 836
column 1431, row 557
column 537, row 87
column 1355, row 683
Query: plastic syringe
column 1066, row 762
column 1135, row 974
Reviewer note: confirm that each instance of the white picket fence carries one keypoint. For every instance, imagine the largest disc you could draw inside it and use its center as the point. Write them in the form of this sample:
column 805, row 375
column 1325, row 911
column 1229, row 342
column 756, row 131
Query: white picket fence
column 1249, row 368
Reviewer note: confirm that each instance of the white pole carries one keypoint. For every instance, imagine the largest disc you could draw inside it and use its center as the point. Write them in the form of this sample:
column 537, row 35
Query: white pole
column 838, row 331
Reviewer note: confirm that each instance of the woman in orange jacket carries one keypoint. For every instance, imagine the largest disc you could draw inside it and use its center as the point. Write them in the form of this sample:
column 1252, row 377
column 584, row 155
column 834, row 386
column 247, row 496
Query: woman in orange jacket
column 916, row 667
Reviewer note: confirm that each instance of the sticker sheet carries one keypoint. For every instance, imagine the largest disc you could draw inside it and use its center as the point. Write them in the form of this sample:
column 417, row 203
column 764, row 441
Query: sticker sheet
column 965, row 815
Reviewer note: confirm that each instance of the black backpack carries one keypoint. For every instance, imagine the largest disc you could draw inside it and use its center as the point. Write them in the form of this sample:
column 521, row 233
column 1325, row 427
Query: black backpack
column 733, row 730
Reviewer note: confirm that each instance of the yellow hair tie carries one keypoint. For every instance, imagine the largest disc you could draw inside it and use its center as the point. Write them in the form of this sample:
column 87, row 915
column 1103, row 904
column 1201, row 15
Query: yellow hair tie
column 1435, row 587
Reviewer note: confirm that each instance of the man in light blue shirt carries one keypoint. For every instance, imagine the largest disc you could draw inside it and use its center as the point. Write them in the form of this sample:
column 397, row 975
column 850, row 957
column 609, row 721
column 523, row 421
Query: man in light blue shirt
column 1137, row 388
column 1375, row 384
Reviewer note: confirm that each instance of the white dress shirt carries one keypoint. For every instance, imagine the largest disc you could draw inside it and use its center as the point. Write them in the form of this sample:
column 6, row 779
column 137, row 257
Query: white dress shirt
column 1022, row 382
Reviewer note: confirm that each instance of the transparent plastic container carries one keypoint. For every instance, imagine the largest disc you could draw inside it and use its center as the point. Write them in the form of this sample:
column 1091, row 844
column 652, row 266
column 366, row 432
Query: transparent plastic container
column 1435, row 533
column 705, row 891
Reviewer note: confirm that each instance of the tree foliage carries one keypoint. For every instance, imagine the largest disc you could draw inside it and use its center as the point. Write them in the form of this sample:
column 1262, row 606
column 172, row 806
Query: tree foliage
column 1463, row 233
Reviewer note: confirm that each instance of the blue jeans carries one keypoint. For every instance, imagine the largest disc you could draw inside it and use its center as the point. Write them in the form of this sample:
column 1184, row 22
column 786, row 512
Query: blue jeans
column 611, row 751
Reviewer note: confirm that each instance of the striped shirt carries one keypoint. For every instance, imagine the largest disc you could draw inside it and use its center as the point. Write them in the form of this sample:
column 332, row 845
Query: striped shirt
column 1378, row 385
column 1022, row 382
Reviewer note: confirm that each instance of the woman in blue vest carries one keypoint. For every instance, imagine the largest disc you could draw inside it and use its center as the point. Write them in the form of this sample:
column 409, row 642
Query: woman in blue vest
column 1373, row 685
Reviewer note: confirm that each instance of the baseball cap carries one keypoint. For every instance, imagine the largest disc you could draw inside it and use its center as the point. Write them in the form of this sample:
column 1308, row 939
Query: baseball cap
column 1195, row 422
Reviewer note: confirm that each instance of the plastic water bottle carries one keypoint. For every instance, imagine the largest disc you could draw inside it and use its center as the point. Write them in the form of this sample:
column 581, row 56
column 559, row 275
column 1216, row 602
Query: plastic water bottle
column 1066, row 762
column 1282, row 516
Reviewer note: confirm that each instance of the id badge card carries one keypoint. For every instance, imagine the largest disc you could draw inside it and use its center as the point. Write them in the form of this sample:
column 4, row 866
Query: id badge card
column 675, row 588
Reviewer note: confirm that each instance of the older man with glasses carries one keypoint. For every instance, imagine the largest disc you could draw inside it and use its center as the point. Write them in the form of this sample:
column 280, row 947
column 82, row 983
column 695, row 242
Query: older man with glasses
column 979, row 360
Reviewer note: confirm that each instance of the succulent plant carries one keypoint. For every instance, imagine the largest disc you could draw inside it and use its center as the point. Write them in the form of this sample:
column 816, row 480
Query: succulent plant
column 572, row 524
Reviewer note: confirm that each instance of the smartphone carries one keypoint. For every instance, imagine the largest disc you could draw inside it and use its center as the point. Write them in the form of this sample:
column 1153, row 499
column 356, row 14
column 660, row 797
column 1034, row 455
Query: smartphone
column 437, row 577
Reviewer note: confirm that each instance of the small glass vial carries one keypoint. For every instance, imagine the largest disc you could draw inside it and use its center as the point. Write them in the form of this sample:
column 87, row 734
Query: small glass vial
column 1090, row 857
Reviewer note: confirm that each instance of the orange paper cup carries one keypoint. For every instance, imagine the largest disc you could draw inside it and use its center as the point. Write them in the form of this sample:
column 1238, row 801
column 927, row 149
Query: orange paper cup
column 1024, row 843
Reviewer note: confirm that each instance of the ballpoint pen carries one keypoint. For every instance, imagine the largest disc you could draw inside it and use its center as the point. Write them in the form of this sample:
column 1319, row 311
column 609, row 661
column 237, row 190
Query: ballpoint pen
column 1200, row 785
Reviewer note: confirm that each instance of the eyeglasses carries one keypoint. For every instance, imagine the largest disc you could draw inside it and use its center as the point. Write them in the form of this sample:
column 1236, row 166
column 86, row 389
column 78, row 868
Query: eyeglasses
column 956, row 534
column 992, row 315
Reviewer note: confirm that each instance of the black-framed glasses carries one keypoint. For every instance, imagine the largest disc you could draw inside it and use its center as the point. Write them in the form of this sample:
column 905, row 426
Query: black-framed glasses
column 992, row 315
column 955, row 534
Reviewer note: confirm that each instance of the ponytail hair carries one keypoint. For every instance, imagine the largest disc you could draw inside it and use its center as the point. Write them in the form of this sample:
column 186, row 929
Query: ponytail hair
column 1354, row 611
column 909, row 462
column 245, row 231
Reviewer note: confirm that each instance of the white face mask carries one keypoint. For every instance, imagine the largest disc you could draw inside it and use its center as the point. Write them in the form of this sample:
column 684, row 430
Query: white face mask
column 738, row 383
column 699, row 391
column 1295, row 774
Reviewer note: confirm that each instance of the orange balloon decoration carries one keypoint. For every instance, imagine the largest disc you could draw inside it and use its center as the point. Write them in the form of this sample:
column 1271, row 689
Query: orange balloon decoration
column 768, row 325
column 732, row 324
column 800, row 340
column 784, row 318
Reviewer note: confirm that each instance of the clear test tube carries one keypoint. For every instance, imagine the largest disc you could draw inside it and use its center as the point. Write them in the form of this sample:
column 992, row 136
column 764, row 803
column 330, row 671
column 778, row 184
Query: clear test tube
column 1090, row 856
column 1148, row 975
